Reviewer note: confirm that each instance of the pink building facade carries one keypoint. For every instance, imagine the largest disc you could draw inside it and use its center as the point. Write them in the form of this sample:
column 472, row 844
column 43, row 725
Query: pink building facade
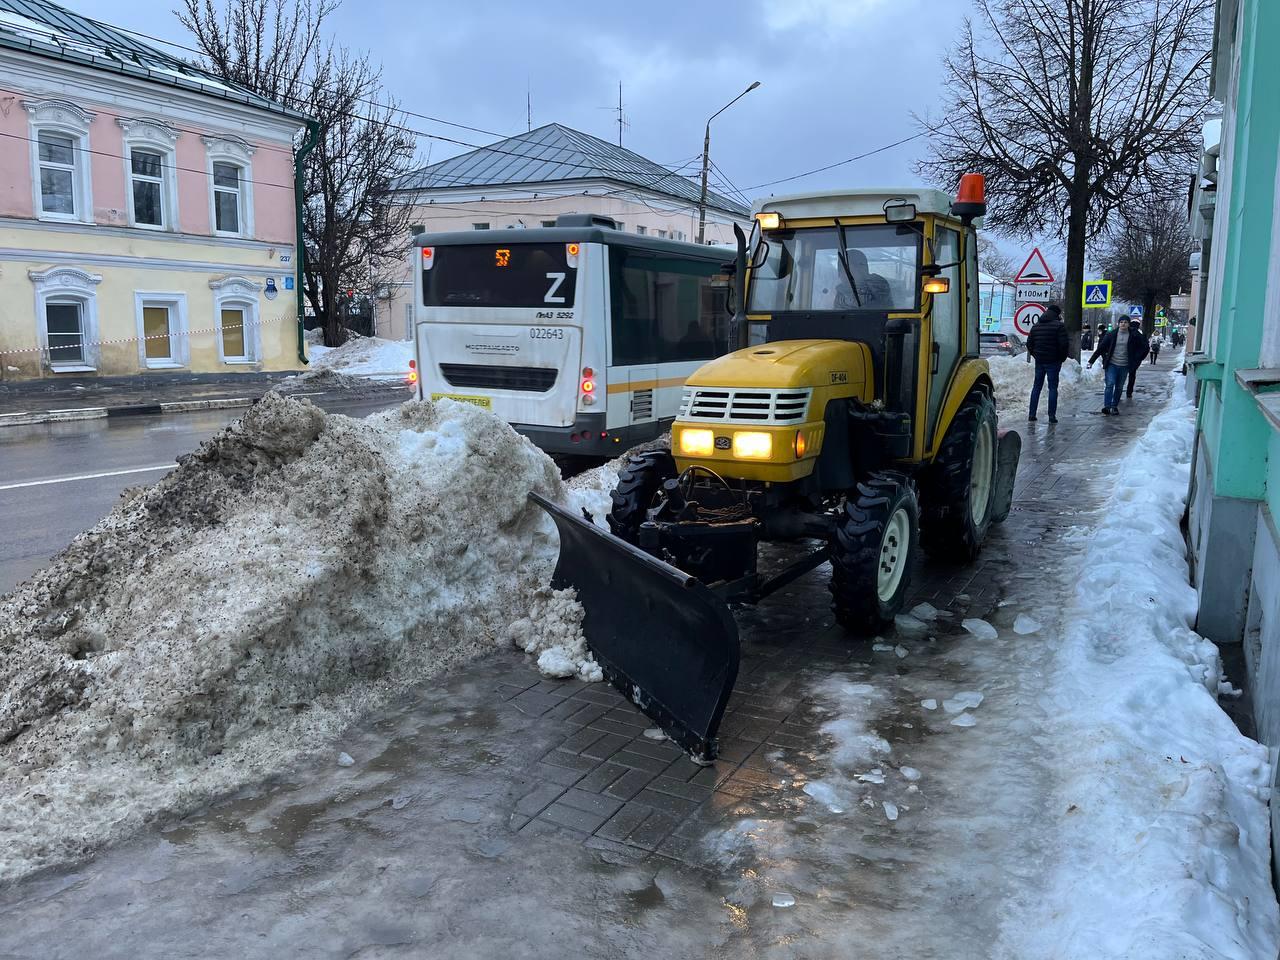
column 147, row 222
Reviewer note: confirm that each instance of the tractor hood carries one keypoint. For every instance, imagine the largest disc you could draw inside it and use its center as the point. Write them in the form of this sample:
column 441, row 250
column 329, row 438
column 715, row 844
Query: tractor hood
column 791, row 364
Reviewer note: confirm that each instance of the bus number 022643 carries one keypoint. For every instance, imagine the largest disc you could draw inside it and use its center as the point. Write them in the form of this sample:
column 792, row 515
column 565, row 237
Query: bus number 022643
column 546, row 333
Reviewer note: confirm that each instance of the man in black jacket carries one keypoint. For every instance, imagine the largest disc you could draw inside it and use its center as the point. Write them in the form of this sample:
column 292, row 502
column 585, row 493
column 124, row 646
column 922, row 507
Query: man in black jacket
column 1122, row 351
column 1047, row 344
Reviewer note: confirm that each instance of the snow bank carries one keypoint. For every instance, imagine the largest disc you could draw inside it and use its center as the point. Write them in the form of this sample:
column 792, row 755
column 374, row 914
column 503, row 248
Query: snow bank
column 287, row 576
column 1014, row 377
column 364, row 357
column 1161, row 816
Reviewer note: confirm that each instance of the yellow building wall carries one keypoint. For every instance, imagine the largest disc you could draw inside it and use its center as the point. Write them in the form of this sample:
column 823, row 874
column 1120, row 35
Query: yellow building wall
column 129, row 264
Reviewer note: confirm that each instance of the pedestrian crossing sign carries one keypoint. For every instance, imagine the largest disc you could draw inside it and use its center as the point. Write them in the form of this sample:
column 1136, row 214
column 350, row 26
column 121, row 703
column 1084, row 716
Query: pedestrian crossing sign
column 1097, row 293
column 1135, row 312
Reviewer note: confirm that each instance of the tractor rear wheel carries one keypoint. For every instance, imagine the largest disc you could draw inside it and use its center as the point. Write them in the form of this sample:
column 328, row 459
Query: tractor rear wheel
column 872, row 551
column 959, row 493
column 638, row 482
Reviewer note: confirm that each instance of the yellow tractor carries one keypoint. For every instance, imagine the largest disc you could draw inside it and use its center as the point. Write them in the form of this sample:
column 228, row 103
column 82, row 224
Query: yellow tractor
column 855, row 417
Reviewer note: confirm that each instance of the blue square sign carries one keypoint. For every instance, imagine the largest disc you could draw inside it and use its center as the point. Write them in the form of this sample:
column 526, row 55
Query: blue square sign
column 1097, row 293
column 288, row 283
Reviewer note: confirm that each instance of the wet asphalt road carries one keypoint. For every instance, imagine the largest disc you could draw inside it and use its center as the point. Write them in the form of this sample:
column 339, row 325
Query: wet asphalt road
column 58, row 479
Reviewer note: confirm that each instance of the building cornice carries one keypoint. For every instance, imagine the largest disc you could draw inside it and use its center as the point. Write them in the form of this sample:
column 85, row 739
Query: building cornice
column 36, row 77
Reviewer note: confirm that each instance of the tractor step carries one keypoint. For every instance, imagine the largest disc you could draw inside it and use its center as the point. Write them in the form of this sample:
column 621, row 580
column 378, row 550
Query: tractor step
column 663, row 638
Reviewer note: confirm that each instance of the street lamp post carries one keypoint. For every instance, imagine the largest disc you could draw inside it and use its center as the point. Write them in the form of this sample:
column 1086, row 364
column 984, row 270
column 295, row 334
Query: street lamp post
column 706, row 158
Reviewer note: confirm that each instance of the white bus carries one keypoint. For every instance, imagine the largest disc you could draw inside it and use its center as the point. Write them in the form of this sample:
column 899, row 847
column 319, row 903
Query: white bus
column 578, row 335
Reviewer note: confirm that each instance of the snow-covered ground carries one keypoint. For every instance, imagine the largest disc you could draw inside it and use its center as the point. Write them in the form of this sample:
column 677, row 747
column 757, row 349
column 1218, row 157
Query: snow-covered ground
column 1014, row 377
column 1160, row 819
column 370, row 357
column 289, row 575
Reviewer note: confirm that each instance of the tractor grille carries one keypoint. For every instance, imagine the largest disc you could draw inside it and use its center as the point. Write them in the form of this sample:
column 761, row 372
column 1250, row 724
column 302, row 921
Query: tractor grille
column 744, row 406
column 530, row 379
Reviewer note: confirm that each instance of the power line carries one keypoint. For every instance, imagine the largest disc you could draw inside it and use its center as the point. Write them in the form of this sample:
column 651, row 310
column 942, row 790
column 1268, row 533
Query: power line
column 839, row 163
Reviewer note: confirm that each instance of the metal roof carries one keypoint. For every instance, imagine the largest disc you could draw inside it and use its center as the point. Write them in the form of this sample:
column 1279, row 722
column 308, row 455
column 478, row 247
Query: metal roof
column 555, row 154
column 605, row 235
column 46, row 29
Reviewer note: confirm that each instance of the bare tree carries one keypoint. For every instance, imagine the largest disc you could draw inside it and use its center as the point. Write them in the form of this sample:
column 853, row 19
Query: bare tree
column 1074, row 109
column 277, row 49
column 992, row 260
column 1148, row 257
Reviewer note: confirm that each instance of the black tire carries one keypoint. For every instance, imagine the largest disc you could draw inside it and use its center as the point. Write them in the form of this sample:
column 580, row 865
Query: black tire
column 857, row 551
column 950, row 530
column 638, row 481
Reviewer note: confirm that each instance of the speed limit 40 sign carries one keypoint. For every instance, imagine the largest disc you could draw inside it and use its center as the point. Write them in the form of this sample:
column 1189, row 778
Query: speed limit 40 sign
column 1025, row 317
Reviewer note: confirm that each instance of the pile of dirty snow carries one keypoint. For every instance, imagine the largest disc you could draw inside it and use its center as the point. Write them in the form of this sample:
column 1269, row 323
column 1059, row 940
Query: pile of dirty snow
column 1161, row 830
column 287, row 576
column 364, row 357
column 1014, row 377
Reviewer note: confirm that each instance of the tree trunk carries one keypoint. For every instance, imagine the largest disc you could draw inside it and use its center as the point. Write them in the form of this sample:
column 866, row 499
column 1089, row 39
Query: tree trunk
column 334, row 334
column 1148, row 314
column 1073, row 282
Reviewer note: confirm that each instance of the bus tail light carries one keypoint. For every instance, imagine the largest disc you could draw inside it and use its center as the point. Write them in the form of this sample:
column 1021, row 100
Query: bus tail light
column 412, row 378
column 571, row 251
column 588, row 386
column 428, row 257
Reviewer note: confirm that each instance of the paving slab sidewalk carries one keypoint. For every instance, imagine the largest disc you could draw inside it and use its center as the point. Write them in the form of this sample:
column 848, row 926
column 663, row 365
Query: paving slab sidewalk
column 496, row 813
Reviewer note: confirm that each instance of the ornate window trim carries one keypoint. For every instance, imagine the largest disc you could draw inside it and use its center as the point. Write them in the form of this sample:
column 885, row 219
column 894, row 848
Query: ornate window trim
column 229, row 149
column 235, row 291
column 158, row 136
column 61, row 116
column 179, row 329
column 68, row 283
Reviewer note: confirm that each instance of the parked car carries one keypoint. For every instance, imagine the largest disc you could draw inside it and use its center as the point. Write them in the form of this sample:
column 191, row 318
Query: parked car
column 1009, row 344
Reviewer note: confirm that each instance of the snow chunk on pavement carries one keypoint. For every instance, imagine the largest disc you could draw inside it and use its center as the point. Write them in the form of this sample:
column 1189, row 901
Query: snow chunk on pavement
column 964, row 720
column 909, row 773
column 980, row 628
column 292, row 573
column 1024, row 625
column 783, row 900
column 909, row 625
column 553, row 631
column 854, row 703
column 924, row 611
column 345, row 760
column 965, row 700
column 825, row 794
column 890, row 810
column 929, row 704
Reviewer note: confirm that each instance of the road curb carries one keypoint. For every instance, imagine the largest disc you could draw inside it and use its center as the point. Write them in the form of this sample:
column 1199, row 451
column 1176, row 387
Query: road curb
column 36, row 417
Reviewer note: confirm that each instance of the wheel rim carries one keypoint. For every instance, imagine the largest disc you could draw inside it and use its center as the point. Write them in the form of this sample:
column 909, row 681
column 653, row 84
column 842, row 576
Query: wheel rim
column 980, row 479
column 894, row 550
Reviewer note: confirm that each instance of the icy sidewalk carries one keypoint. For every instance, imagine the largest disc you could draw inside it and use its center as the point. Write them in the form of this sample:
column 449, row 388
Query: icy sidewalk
column 900, row 798
column 1158, row 820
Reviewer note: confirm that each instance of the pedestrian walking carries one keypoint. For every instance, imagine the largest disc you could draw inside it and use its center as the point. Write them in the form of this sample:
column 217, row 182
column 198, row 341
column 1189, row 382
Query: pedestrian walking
column 1086, row 338
column 1155, row 349
column 1048, row 346
column 1122, row 351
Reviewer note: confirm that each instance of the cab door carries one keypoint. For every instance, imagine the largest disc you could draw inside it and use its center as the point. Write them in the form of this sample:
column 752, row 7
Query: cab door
column 945, row 326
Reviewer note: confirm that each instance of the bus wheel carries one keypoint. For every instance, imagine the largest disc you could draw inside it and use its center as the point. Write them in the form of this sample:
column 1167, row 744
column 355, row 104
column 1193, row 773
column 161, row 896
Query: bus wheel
column 638, row 483
column 872, row 552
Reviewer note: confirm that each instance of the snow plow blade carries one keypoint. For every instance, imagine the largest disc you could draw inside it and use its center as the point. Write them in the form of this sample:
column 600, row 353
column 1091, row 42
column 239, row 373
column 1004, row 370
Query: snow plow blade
column 1008, row 450
column 661, row 636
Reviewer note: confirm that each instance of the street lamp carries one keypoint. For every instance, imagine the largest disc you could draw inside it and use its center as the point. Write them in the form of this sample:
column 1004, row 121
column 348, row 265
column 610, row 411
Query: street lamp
column 706, row 157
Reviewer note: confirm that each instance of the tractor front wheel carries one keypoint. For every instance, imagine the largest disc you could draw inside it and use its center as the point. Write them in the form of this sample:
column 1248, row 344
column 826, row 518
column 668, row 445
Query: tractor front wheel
column 638, row 483
column 872, row 552
column 959, row 492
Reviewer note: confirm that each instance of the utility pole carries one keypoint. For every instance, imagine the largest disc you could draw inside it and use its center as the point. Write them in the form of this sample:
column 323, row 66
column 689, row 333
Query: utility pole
column 528, row 105
column 706, row 159
column 619, row 113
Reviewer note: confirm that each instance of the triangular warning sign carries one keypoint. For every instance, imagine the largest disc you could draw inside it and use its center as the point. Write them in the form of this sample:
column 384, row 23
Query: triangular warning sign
column 1096, row 295
column 1035, row 270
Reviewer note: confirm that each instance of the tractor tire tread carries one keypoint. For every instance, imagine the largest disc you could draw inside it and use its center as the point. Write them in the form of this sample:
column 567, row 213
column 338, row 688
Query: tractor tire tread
column 946, row 526
column 855, row 552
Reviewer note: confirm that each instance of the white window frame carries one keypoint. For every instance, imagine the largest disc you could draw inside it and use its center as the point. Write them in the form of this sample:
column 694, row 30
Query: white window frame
column 179, row 339
column 239, row 293
column 59, row 285
column 61, row 116
column 238, row 152
column 162, row 139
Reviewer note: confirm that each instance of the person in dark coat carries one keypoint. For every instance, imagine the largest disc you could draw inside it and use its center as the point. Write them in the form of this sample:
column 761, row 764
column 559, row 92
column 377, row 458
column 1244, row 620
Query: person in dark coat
column 1048, row 346
column 1122, row 351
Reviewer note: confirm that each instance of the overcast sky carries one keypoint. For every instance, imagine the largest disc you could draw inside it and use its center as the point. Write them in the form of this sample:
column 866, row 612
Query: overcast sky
column 838, row 77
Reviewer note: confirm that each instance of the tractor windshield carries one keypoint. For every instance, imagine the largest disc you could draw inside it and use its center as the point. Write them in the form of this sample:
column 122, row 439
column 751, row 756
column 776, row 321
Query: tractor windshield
column 801, row 270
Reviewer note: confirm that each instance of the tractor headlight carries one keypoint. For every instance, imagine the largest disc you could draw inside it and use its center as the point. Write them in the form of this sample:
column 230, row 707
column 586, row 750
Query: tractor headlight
column 697, row 443
column 752, row 445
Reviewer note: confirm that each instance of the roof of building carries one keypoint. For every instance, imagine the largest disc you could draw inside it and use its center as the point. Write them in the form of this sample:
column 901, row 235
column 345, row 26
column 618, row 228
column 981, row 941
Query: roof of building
column 47, row 29
column 556, row 153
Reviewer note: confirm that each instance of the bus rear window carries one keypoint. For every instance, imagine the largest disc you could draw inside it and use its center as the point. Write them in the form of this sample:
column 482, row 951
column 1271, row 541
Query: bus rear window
column 500, row 275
